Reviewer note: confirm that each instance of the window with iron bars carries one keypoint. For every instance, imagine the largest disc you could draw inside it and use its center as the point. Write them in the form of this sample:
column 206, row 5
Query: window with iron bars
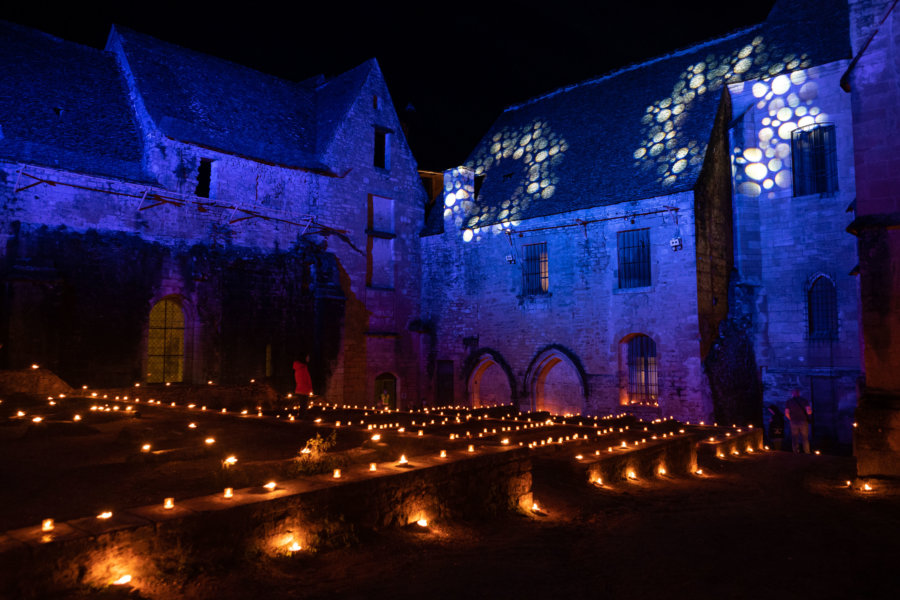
column 535, row 270
column 822, row 308
column 814, row 160
column 634, row 258
column 643, row 387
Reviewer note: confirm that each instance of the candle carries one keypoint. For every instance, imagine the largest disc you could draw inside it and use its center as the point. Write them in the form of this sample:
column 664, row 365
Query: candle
column 229, row 492
column 47, row 525
column 169, row 503
column 337, row 473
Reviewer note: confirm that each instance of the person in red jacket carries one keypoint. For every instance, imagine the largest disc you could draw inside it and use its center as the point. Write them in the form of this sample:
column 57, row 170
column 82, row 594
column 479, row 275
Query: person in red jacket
column 301, row 378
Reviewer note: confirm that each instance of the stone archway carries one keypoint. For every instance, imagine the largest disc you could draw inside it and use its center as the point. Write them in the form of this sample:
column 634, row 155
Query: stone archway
column 489, row 384
column 556, row 384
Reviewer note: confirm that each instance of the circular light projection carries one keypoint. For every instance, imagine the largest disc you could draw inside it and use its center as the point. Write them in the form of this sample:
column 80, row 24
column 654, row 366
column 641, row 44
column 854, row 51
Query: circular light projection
column 781, row 84
column 530, row 154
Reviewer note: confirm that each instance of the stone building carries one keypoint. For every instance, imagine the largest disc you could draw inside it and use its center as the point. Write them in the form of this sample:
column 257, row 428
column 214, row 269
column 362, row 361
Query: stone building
column 168, row 216
column 872, row 79
column 667, row 239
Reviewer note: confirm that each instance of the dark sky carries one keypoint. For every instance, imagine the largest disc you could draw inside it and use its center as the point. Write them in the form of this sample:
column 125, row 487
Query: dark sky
column 458, row 64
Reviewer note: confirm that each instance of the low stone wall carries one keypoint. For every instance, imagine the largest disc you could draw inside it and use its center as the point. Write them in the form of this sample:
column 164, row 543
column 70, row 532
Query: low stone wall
column 207, row 534
column 32, row 381
column 232, row 397
column 676, row 455
column 876, row 441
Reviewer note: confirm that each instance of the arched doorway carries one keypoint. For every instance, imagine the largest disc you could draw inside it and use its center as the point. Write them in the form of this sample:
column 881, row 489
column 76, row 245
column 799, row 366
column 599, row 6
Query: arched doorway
column 556, row 384
column 489, row 384
column 386, row 390
column 165, row 342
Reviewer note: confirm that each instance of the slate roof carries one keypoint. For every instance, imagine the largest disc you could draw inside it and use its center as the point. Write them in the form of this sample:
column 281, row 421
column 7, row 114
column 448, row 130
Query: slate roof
column 639, row 132
column 204, row 100
column 65, row 105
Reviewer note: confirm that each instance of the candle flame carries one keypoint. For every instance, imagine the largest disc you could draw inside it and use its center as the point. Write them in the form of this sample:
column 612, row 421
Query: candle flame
column 229, row 492
column 422, row 522
column 105, row 514
column 270, row 486
column 403, row 460
column 47, row 525
column 295, row 547
column 337, row 473
column 169, row 503
column 122, row 580
column 443, row 454
column 209, row 441
column 231, row 460
column 372, row 466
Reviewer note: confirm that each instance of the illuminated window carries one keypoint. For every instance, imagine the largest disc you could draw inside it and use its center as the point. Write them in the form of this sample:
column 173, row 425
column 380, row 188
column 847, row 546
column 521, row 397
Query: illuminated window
column 165, row 343
column 634, row 258
column 535, row 269
column 642, row 382
column 204, row 178
column 382, row 155
column 822, row 308
column 814, row 160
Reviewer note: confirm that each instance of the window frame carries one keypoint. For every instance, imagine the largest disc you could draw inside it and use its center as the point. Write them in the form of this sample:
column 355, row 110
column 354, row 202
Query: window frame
column 822, row 309
column 643, row 376
column 814, row 159
column 535, row 269
column 634, row 265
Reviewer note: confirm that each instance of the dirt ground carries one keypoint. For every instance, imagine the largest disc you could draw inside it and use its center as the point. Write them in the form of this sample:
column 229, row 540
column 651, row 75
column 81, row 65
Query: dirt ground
column 770, row 525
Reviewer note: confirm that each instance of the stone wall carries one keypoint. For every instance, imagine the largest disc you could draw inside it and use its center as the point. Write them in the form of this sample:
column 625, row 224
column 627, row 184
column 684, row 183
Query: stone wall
column 565, row 349
column 785, row 241
column 872, row 83
column 160, row 547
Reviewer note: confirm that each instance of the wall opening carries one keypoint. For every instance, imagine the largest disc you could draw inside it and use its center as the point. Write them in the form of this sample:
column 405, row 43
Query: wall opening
column 557, row 386
column 443, row 383
column 386, row 391
column 489, row 385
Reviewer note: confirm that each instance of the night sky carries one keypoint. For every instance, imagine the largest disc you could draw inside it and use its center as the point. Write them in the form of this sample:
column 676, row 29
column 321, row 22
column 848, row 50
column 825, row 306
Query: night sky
column 451, row 67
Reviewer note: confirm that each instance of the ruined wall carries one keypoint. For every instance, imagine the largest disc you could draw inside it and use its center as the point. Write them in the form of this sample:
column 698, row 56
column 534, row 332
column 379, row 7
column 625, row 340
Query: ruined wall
column 873, row 85
column 376, row 327
column 566, row 348
column 80, row 302
column 785, row 241
column 259, row 286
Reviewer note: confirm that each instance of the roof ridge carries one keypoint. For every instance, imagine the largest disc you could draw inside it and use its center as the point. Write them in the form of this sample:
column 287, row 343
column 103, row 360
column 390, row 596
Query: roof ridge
column 634, row 66
column 207, row 56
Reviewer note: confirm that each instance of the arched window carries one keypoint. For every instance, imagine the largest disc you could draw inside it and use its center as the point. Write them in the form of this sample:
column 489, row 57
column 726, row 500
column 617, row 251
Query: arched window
column 165, row 343
column 642, row 383
column 822, row 309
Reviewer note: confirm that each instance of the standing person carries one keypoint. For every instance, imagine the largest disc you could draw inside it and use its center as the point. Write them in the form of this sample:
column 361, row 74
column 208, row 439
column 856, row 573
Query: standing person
column 798, row 411
column 302, row 379
column 776, row 427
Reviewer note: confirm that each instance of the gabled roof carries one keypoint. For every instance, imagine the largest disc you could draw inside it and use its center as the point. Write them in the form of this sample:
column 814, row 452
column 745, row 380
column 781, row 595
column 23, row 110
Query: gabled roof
column 204, row 100
column 334, row 99
column 65, row 105
column 642, row 131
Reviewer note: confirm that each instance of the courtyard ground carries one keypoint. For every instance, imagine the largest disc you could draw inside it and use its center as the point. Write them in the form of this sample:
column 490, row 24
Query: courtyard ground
column 772, row 525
